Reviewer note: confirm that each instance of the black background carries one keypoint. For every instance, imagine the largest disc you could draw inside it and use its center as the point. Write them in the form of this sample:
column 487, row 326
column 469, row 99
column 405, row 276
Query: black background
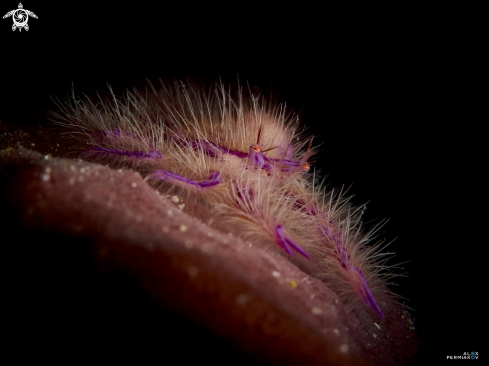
column 392, row 93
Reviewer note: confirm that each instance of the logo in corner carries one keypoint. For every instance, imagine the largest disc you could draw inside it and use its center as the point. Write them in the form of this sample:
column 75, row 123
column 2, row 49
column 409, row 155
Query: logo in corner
column 465, row 356
column 20, row 17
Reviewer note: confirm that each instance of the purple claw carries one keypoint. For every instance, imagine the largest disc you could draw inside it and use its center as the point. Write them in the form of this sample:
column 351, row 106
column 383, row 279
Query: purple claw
column 367, row 295
column 298, row 248
column 175, row 178
column 363, row 290
column 281, row 240
column 285, row 242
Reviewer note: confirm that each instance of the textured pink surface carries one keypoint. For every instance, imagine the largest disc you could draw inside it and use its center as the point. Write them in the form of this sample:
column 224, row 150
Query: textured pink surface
column 254, row 298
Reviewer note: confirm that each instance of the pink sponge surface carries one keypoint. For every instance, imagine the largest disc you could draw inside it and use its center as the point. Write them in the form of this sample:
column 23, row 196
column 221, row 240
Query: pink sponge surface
column 253, row 299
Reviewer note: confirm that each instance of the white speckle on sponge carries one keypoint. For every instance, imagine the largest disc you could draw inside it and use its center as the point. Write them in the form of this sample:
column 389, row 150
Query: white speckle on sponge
column 316, row 311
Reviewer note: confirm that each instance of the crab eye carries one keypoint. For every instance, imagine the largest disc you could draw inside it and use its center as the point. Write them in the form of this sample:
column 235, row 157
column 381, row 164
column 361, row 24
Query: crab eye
column 307, row 166
column 256, row 148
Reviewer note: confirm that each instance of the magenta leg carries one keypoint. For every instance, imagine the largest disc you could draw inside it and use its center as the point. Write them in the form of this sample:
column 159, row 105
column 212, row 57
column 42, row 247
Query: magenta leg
column 177, row 179
column 154, row 154
column 368, row 297
column 362, row 289
column 286, row 242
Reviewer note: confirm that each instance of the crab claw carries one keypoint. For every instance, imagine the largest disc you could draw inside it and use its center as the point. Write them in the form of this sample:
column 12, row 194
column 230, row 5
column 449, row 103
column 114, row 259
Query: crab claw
column 286, row 242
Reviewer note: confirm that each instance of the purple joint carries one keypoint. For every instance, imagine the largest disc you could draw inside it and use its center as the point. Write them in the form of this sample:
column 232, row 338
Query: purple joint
column 368, row 297
column 285, row 242
column 155, row 154
column 255, row 157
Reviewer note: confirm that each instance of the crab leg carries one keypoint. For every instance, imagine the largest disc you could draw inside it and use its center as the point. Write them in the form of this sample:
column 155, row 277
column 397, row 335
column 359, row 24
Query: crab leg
column 366, row 294
column 153, row 154
column 286, row 242
column 353, row 273
column 185, row 182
